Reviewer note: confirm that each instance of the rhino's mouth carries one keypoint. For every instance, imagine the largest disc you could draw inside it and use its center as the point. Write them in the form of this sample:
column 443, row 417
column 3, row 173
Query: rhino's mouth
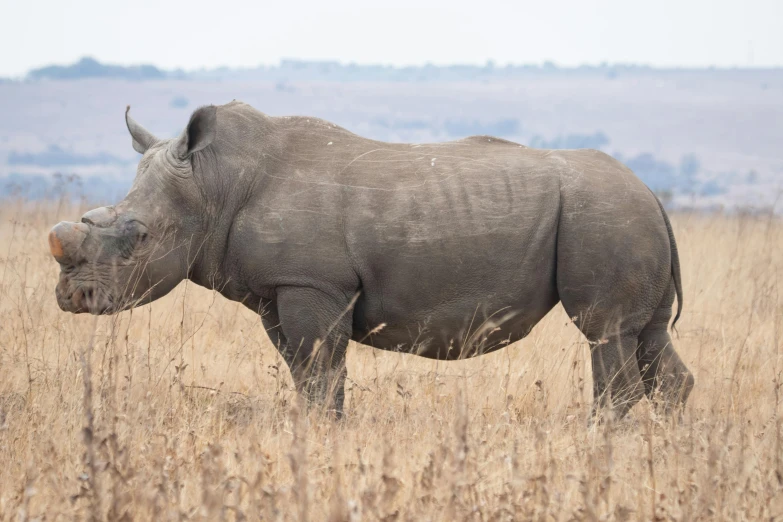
column 82, row 298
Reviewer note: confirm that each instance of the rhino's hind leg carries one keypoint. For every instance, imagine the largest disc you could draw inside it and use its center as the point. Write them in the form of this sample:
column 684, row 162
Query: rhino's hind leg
column 667, row 381
column 617, row 385
column 611, row 322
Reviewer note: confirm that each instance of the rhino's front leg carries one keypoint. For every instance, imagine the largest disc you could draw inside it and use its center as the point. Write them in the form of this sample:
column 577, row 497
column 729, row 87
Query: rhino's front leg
column 312, row 331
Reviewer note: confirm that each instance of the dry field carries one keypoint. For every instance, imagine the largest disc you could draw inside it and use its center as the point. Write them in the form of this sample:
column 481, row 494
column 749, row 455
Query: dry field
column 182, row 410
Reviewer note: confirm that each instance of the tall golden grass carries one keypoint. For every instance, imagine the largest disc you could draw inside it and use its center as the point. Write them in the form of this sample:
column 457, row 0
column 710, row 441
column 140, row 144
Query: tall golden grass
column 182, row 410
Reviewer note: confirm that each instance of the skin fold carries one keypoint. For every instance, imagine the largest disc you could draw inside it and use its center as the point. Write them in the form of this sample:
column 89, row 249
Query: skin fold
column 446, row 250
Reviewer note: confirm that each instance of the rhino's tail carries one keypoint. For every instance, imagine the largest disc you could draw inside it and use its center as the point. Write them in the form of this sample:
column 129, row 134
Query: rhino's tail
column 675, row 261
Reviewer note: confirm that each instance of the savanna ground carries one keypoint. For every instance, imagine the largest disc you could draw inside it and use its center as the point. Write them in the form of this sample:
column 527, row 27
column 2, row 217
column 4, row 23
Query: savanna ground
column 182, row 409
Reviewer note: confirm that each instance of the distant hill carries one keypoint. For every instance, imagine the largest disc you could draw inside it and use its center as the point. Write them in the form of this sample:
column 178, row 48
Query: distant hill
column 91, row 68
column 332, row 71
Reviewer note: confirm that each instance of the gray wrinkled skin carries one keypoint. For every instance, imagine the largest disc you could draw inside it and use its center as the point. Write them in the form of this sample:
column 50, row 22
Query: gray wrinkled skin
column 445, row 250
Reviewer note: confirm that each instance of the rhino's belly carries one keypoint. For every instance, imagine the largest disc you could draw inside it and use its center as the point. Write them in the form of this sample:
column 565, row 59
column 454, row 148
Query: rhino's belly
column 457, row 296
column 459, row 327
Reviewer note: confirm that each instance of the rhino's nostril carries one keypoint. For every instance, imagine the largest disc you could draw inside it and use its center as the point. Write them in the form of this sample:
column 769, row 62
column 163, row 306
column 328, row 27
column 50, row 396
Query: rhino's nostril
column 77, row 299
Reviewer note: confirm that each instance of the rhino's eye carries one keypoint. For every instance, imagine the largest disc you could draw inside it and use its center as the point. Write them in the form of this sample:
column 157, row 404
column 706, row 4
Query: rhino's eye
column 142, row 234
column 137, row 231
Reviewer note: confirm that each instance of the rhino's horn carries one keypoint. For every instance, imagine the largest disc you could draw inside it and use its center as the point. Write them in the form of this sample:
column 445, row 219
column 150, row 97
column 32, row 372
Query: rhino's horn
column 65, row 240
column 142, row 138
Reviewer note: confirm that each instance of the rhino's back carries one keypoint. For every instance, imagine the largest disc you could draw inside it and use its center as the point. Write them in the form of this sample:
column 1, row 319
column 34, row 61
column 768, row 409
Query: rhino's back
column 414, row 193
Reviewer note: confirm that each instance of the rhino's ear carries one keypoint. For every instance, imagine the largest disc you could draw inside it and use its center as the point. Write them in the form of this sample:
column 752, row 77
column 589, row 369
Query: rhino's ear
column 141, row 137
column 199, row 133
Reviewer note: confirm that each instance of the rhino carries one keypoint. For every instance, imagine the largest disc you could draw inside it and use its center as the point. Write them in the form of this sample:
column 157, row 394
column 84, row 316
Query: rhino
column 445, row 250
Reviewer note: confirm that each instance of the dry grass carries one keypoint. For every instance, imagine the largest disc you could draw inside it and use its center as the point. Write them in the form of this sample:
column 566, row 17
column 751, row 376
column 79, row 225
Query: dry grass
column 183, row 410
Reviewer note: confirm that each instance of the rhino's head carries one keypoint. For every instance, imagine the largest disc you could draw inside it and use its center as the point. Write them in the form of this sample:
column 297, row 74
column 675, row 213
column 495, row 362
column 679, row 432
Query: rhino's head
column 138, row 250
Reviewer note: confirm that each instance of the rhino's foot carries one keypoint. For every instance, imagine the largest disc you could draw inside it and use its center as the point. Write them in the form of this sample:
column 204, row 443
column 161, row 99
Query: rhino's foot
column 616, row 413
column 326, row 411
column 669, row 396
column 604, row 418
column 324, row 394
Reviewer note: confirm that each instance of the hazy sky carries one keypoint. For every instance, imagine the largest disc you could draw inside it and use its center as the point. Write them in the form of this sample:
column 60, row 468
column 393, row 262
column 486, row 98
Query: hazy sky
column 199, row 33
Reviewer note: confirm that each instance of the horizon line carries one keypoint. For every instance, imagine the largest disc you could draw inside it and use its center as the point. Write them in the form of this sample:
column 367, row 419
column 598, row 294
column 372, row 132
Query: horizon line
column 488, row 65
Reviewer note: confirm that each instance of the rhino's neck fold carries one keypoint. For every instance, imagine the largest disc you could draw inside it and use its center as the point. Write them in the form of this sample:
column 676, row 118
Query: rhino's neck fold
column 224, row 202
column 230, row 174
column 205, row 264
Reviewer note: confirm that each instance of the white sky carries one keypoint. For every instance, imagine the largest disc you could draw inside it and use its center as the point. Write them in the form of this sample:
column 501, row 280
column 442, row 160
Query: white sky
column 209, row 33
